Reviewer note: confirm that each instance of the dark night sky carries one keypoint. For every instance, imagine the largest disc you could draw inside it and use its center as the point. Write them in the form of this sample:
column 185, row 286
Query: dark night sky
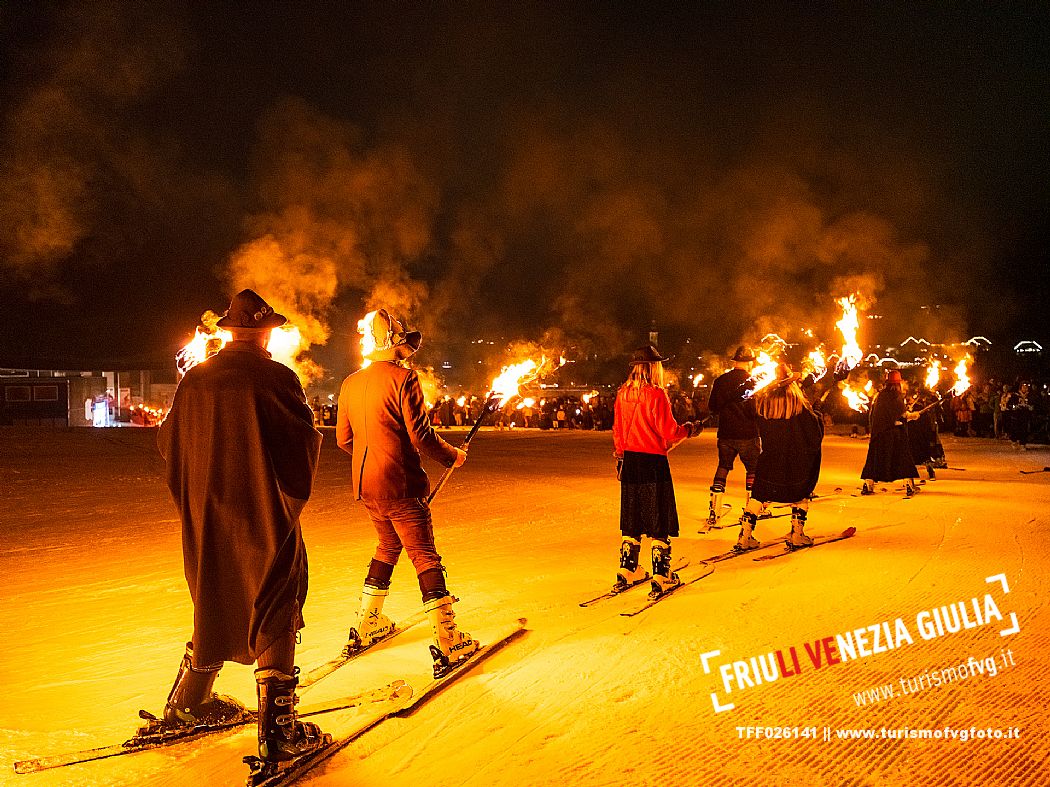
column 573, row 170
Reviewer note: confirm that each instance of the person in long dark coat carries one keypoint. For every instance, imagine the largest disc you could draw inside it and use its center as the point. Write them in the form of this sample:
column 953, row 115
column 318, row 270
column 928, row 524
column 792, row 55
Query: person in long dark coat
column 925, row 443
column 644, row 430
column 789, row 465
column 889, row 450
column 241, row 452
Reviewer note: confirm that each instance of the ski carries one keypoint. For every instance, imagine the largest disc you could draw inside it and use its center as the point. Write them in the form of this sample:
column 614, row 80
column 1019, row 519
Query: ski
column 652, row 600
column 612, row 593
column 346, row 656
column 849, row 532
column 262, row 775
column 708, row 525
column 157, row 738
column 732, row 553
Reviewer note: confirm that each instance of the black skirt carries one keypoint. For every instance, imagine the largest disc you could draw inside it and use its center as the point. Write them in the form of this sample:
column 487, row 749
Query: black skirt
column 647, row 506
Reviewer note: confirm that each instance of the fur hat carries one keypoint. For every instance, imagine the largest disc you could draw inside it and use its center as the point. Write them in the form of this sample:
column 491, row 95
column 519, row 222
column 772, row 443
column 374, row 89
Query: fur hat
column 392, row 341
column 249, row 312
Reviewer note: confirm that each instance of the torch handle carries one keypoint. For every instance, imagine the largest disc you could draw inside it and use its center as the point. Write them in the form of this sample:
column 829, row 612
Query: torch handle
column 490, row 406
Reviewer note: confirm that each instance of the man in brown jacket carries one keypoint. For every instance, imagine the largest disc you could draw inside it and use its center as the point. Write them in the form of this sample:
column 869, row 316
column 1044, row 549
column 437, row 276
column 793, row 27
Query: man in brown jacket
column 241, row 453
column 383, row 424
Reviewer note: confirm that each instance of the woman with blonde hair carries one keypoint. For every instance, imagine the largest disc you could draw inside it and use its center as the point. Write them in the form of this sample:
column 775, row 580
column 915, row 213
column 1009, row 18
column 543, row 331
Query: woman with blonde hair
column 644, row 430
column 789, row 465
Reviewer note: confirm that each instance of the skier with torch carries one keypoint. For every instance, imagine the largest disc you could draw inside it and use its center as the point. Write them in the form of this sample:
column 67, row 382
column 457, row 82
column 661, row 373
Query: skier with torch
column 383, row 424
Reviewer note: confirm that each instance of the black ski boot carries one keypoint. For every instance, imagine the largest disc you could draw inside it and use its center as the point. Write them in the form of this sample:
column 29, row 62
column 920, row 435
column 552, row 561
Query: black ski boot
column 629, row 573
column 192, row 702
column 282, row 737
column 663, row 578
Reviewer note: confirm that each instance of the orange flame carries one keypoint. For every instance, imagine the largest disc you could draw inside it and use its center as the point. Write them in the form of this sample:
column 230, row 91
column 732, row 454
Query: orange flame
column 933, row 375
column 848, row 327
column 284, row 344
column 697, row 379
column 765, row 371
column 816, row 362
column 962, row 381
column 858, row 399
column 368, row 341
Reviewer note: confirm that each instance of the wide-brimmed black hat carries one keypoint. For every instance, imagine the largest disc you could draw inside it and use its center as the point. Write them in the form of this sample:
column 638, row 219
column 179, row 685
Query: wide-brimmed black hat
column 647, row 354
column 249, row 312
column 743, row 353
column 392, row 341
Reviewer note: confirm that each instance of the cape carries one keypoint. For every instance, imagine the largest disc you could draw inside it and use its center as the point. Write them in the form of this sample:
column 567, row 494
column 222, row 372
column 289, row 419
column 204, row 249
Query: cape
column 241, row 453
column 789, row 465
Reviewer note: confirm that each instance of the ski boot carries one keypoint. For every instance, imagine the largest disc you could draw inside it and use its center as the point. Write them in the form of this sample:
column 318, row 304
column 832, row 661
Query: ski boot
column 450, row 644
column 746, row 541
column 663, row 578
column 797, row 537
column 868, row 488
column 629, row 573
column 192, row 702
column 372, row 625
column 910, row 489
column 282, row 737
column 714, row 504
column 929, row 471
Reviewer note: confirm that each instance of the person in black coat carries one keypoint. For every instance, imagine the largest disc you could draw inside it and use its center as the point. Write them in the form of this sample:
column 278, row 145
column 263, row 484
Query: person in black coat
column 789, row 465
column 889, row 450
column 926, row 447
column 737, row 430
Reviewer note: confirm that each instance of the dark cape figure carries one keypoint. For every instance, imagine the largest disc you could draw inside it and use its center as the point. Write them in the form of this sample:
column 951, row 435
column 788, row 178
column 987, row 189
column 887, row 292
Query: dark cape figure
column 241, row 453
column 789, row 465
column 889, row 450
column 926, row 447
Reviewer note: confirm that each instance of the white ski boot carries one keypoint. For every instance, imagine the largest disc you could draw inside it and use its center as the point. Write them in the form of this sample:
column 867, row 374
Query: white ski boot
column 372, row 624
column 663, row 578
column 746, row 541
column 797, row 537
column 629, row 573
column 450, row 644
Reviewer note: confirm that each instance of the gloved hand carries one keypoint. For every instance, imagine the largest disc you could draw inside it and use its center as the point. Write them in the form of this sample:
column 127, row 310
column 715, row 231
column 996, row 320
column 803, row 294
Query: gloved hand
column 694, row 427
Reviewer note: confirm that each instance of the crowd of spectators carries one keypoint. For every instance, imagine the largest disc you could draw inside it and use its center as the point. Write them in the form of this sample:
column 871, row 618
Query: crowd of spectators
column 1014, row 411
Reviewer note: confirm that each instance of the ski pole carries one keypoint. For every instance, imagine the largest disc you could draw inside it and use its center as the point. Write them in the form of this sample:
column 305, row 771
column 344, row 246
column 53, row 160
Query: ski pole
column 490, row 406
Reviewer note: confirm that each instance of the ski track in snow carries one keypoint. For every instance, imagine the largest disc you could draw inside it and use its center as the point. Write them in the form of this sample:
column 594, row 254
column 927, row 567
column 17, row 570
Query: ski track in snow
column 95, row 612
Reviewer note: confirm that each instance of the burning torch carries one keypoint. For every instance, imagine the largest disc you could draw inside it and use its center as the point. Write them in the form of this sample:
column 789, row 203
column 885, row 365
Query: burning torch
column 504, row 387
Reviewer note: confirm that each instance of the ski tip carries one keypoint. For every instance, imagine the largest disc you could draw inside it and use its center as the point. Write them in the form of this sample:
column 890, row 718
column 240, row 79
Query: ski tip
column 849, row 531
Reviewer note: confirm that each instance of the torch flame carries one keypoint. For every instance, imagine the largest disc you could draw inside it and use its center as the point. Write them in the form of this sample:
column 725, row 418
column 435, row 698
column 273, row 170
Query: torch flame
column 933, row 375
column 697, row 379
column 284, row 345
column 848, row 327
column 368, row 340
column 511, row 377
column 816, row 361
column 962, row 382
column 764, row 373
column 857, row 399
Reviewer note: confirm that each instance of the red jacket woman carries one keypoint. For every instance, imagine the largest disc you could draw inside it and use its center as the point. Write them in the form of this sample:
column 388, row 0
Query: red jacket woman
column 644, row 430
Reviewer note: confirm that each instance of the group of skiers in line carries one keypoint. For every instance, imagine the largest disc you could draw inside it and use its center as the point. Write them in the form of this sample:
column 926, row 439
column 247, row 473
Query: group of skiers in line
column 776, row 431
column 241, row 452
